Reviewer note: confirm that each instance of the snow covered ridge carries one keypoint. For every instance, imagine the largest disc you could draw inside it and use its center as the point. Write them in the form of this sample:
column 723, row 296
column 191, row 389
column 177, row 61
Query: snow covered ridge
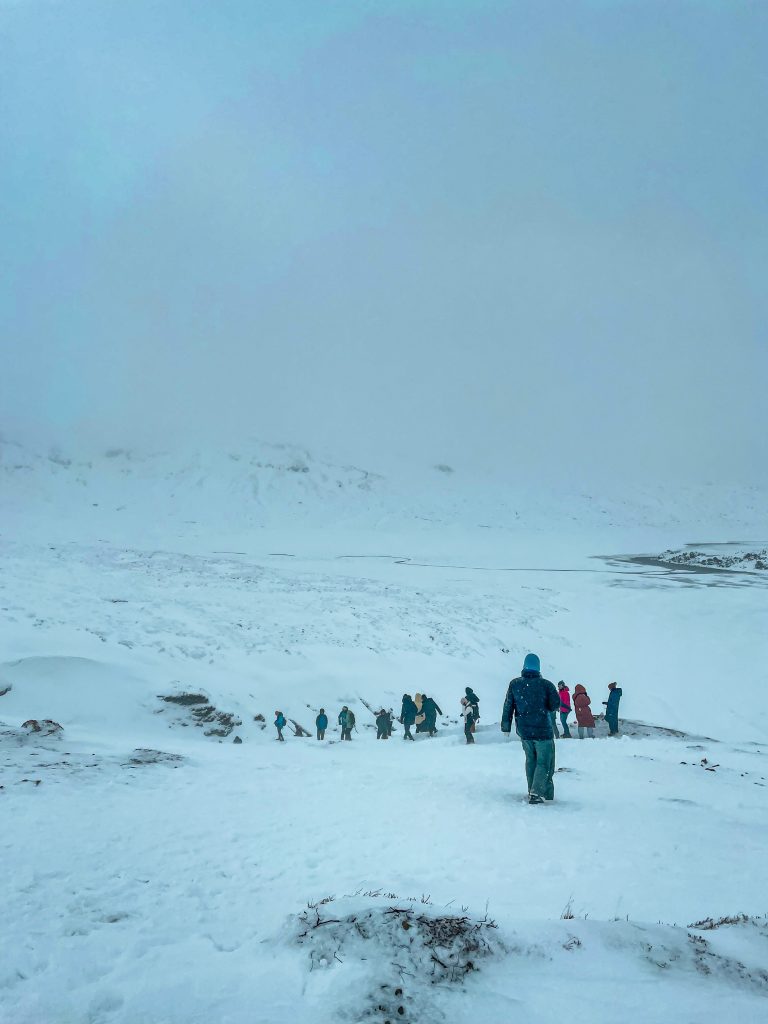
column 247, row 485
column 720, row 557
column 262, row 484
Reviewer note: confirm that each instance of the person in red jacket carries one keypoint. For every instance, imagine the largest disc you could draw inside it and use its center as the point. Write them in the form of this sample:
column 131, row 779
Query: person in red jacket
column 565, row 708
column 584, row 717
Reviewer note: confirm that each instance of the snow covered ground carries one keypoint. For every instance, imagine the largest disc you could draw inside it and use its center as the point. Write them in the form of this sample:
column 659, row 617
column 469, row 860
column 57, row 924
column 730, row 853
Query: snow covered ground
column 157, row 875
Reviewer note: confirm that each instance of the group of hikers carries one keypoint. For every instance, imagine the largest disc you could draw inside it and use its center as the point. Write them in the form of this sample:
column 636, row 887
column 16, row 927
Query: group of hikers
column 419, row 712
column 532, row 701
column 585, row 720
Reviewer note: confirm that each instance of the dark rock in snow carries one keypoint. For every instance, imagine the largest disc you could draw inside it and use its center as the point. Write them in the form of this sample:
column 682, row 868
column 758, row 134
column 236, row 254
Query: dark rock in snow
column 145, row 755
column 47, row 727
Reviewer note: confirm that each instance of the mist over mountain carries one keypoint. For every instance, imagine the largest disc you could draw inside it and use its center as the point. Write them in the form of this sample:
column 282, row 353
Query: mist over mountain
column 531, row 237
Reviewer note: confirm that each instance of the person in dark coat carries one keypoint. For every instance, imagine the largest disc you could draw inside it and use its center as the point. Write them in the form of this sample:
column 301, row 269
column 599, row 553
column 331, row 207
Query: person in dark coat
column 408, row 715
column 280, row 724
column 530, row 700
column 468, row 714
column 431, row 711
column 347, row 722
column 565, row 708
column 612, row 708
column 474, row 702
column 321, row 723
column 382, row 725
column 584, row 717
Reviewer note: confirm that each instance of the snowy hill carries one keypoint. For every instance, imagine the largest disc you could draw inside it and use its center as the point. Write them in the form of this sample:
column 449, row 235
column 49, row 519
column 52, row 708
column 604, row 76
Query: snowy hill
column 264, row 485
column 157, row 607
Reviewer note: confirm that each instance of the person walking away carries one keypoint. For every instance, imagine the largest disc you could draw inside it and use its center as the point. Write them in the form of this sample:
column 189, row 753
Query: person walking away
column 612, row 708
column 530, row 700
column 280, row 724
column 584, row 717
column 474, row 702
column 321, row 723
column 408, row 715
column 468, row 714
column 343, row 719
column 350, row 723
column 431, row 711
column 382, row 725
column 565, row 708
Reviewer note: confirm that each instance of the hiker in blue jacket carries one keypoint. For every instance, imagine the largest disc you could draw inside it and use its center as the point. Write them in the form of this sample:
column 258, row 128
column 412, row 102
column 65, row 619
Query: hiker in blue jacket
column 280, row 724
column 321, row 722
column 530, row 700
column 612, row 708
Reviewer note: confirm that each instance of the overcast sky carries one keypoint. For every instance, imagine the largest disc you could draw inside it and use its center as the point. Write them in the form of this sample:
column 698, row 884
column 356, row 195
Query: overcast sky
column 522, row 232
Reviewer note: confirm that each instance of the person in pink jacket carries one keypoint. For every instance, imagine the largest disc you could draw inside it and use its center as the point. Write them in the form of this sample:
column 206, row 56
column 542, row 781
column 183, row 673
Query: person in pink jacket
column 584, row 717
column 565, row 708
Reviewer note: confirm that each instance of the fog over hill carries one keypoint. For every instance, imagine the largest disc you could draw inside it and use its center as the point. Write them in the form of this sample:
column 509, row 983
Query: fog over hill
column 494, row 236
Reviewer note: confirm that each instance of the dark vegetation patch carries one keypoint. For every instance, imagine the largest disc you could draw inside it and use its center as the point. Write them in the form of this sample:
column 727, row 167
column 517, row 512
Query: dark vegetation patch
column 409, row 946
column 184, row 699
column 709, row 924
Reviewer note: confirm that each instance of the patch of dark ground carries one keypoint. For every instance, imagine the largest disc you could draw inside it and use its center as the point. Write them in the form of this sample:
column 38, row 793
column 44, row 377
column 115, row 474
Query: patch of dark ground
column 145, row 755
column 25, row 759
column 689, row 568
column 219, row 723
column 628, row 727
column 755, row 560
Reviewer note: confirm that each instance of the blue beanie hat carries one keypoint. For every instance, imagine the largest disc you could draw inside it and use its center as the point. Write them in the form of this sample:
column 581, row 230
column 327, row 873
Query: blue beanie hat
column 531, row 663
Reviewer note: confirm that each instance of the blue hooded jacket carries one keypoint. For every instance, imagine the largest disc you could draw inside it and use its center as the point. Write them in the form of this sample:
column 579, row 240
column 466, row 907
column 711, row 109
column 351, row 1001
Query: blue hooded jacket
column 408, row 712
column 321, row 722
column 531, row 700
column 612, row 703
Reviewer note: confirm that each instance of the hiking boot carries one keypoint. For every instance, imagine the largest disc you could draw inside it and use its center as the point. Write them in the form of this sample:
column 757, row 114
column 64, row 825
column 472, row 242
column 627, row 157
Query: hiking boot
column 534, row 799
